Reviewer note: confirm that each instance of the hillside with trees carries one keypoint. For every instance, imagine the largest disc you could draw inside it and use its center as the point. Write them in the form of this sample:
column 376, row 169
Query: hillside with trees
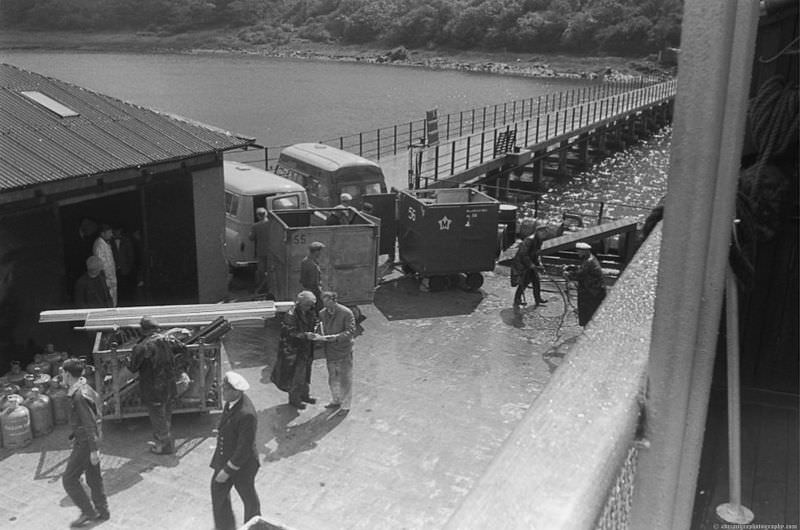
column 617, row 27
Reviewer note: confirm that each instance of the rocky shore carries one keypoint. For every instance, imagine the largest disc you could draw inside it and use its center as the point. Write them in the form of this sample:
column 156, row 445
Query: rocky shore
column 490, row 62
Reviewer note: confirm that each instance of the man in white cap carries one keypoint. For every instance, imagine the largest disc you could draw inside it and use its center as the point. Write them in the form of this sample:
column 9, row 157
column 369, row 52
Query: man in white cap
column 591, row 287
column 235, row 461
column 346, row 214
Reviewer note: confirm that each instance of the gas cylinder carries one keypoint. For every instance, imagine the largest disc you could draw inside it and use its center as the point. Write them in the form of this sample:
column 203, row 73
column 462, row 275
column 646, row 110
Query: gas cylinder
column 59, row 401
column 41, row 379
column 15, row 421
column 40, row 411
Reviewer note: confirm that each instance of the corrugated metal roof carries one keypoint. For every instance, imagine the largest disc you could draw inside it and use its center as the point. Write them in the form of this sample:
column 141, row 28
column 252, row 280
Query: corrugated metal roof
column 38, row 146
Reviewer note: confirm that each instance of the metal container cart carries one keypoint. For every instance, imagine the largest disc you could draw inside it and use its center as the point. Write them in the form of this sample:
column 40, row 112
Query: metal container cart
column 119, row 388
column 444, row 233
column 349, row 262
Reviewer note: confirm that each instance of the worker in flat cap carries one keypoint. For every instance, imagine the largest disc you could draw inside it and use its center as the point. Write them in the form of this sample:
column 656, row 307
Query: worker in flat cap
column 591, row 286
column 311, row 273
column 525, row 268
column 91, row 289
column 158, row 359
column 235, row 461
column 292, row 370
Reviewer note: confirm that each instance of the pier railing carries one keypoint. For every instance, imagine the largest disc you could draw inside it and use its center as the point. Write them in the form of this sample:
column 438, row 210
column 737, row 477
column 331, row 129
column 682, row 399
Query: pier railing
column 396, row 139
column 570, row 118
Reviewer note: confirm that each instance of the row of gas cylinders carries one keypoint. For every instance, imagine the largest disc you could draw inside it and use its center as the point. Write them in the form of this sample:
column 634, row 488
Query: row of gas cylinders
column 28, row 412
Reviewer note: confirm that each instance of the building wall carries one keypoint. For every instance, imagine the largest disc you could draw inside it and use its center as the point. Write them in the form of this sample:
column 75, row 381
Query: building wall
column 209, row 211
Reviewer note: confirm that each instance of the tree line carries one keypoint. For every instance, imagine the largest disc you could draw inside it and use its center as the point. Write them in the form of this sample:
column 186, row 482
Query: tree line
column 625, row 27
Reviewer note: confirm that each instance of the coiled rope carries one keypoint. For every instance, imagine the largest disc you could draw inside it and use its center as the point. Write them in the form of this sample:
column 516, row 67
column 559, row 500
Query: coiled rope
column 773, row 118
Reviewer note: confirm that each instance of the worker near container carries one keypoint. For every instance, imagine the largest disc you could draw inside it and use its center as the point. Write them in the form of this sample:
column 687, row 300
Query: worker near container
column 524, row 269
column 84, row 420
column 345, row 202
column 235, row 461
column 311, row 273
column 102, row 249
column 154, row 357
column 591, row 287
column 259, row 235
column 337, row 327
column 91, row 289
column 292, row 370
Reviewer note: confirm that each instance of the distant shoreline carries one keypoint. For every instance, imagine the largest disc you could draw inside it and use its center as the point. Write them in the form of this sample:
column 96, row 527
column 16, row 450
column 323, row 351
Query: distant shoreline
column 214, row 42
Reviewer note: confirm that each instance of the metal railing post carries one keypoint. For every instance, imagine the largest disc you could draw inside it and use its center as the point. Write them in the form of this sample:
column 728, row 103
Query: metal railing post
column 360, row 144
column 379, row 143
column 436, row 163
column 395, row 139
column 453, row 158
column 469, row 141
column 536, row 141
column 483, row 141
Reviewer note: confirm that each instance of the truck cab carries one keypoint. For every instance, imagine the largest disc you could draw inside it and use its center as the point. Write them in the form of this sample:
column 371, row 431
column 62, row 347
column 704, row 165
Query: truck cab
column 246, row 189
column 326, row 172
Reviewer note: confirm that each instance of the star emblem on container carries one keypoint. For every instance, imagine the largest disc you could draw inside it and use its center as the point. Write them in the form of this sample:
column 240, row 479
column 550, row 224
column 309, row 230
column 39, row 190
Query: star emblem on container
column 444, row 223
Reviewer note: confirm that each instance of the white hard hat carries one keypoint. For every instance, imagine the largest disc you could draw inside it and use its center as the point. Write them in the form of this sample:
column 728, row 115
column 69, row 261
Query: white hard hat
column 583, row 246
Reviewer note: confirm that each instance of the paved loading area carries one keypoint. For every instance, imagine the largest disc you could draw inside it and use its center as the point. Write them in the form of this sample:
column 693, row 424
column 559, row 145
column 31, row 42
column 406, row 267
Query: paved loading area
column 441, row 379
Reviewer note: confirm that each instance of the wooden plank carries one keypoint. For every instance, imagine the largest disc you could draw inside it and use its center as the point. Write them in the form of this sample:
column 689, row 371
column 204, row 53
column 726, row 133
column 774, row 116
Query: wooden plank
column 594, row 233
column 182, row 312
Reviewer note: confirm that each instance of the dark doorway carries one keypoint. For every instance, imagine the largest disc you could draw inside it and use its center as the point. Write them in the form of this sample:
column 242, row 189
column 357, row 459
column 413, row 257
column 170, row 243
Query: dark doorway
column 79, row 224
column 169, row 236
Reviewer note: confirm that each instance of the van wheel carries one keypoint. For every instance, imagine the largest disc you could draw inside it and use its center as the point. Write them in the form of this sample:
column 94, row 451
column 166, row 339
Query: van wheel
column 438, row 283
column 474, row 281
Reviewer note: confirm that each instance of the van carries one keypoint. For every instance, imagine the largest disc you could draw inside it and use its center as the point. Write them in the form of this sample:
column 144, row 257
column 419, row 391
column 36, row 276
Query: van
column 326, row 172
column 246, row 189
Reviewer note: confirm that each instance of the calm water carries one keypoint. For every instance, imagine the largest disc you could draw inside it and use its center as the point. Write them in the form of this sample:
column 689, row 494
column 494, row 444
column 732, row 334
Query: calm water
column 280, row 101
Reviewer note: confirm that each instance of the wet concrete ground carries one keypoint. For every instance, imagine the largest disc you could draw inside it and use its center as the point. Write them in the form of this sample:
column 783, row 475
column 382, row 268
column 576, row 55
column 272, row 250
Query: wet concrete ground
column 441, row 379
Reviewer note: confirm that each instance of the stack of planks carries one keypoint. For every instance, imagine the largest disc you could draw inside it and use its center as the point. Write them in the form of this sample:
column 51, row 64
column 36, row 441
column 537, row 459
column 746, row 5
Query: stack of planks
column 191, row 315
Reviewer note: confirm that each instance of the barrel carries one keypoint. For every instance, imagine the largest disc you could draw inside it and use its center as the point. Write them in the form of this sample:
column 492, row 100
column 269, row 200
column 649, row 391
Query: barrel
column 15, row 423
column 59, row 400
column 40, row 411
column 507, row 220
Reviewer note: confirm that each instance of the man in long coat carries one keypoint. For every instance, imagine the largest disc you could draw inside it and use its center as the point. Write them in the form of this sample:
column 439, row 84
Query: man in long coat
column 102, row 249
column 292, row 370
column 235, row 461
column 591, row 287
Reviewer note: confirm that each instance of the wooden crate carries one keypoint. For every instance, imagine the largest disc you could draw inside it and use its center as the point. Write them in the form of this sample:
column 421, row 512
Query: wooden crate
column 120, row 392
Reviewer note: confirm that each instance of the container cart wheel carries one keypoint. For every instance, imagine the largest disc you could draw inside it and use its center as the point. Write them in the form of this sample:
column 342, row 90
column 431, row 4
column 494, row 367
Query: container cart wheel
column 438, row 283
column 474, row 281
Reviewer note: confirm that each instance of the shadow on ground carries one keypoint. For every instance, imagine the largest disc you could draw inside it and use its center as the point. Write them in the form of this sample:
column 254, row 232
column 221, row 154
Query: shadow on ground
column 278, row 439
column 402, row 299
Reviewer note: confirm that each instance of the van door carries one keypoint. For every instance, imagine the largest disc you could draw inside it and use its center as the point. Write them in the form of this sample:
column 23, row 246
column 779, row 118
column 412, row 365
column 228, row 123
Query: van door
column 236, row 229
column 384, row 207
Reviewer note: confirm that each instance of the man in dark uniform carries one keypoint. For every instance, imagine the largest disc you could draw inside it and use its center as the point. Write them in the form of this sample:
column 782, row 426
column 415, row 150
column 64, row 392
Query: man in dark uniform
column 235, row 461
column 154, row 357
column 311, row 274
column 85, row 456
column 591, row 288
column 524, row 268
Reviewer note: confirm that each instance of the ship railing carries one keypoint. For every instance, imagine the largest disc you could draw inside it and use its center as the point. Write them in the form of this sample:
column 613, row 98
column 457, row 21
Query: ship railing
column 571, row 461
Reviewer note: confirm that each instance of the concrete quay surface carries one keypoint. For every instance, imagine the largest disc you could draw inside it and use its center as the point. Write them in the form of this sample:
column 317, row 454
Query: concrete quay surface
column 440, row 381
